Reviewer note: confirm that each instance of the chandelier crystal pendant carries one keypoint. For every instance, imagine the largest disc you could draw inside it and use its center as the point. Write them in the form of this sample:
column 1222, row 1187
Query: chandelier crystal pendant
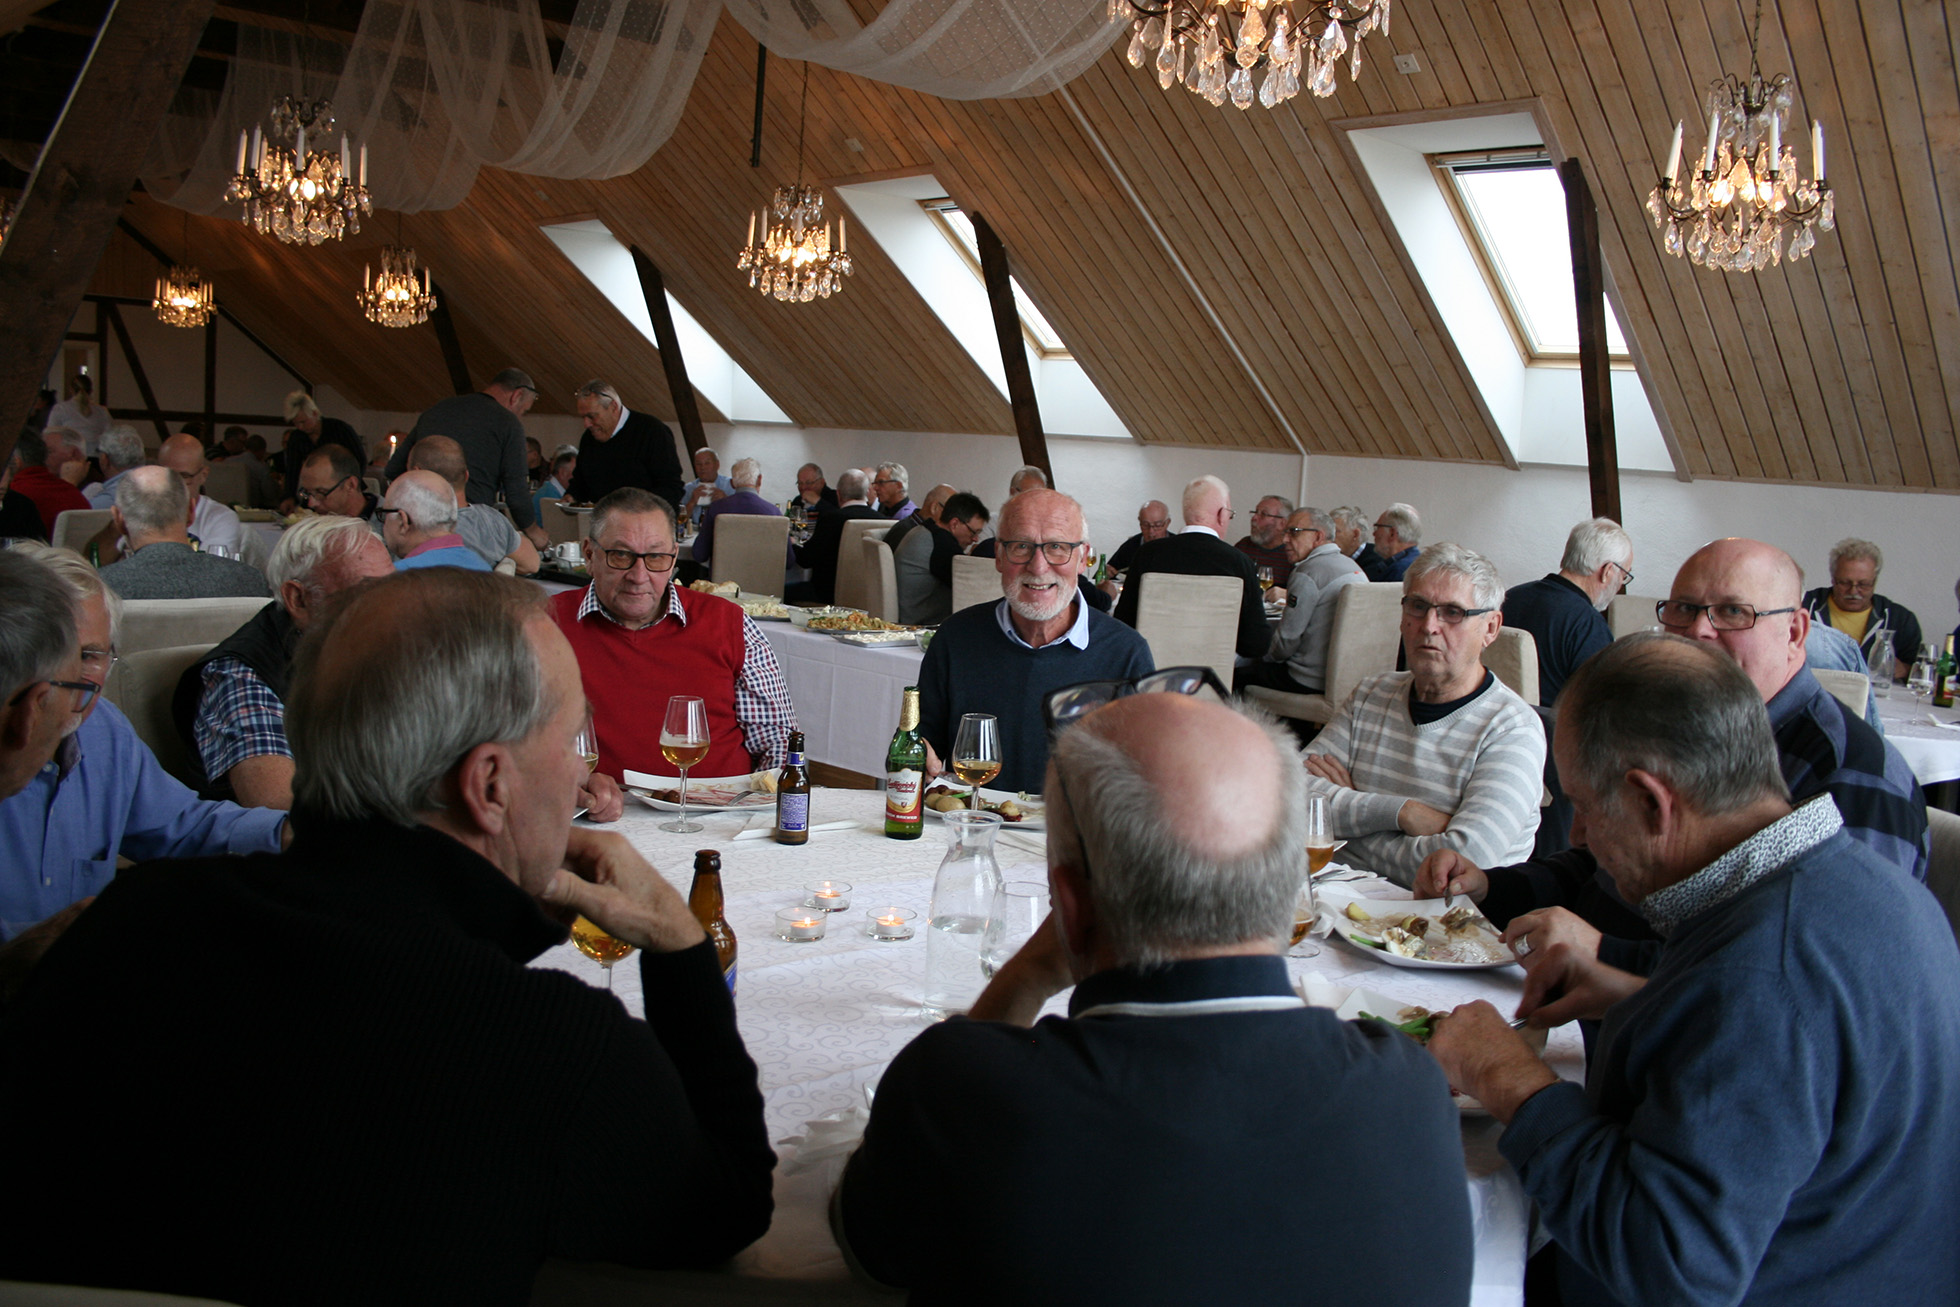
column 395, row 297
column 1746, row 207
column 299, row 195
column 1213, row 46
column 793, row 260
column 183, row 297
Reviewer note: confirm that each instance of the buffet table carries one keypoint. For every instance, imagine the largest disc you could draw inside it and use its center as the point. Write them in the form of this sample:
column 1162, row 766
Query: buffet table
column 847, row 697
column 823, row 1019
column 1933, row 752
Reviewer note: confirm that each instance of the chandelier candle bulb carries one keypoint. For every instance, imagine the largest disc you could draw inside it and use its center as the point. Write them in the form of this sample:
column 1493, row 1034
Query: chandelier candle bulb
column 363, row 182
column 1775, row 143
column 258, row 147
column 1674, row 154
column 1817, row 151
column 243, row 141
column 1714, row 136
column 840, row 235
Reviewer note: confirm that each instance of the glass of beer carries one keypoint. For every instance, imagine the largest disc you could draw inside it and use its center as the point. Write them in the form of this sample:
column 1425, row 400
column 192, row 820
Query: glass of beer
column 1320, row 847
column 976, row 752
column 684, row 742
column 599, row 946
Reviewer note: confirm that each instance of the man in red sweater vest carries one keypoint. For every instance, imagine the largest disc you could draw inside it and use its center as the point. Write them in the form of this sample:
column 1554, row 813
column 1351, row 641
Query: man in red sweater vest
column 639, row 642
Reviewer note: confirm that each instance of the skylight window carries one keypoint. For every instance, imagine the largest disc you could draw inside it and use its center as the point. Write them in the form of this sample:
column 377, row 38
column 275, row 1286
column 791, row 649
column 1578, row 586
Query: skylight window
column 1512, row 209
column 958, row 229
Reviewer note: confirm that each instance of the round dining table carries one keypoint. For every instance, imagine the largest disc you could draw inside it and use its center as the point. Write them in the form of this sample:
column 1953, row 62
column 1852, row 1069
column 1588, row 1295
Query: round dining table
column 822, row 1019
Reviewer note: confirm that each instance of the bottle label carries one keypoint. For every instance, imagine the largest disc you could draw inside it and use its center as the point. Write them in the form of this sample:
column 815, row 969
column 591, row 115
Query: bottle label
column 903, row 797
column 792, row 812
column 729, row 977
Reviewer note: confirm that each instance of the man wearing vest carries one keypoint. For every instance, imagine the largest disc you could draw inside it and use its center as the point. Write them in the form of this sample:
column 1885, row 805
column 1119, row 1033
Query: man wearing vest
column 639, row 642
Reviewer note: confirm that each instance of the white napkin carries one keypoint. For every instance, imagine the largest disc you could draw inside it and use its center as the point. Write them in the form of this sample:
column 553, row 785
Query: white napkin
column 825, row 1139
column 769, row 832
column 1942, row 723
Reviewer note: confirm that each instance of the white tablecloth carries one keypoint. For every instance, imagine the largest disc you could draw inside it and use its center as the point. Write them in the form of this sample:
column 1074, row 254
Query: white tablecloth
column 847, row 697
column 1933, row 752
column 821, row 1019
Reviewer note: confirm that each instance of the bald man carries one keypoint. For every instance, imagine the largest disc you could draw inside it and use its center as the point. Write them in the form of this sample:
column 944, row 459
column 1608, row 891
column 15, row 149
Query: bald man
column 929, row 511
column 418, row 524
column 211, row 522
column 1745, row 598
column 1173, row 1109
column 1200, row 550
column 1153, row 523
column 484, row 527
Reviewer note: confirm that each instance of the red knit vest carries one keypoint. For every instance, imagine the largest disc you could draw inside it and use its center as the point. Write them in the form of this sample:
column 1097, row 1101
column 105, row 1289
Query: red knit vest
column 629, row 676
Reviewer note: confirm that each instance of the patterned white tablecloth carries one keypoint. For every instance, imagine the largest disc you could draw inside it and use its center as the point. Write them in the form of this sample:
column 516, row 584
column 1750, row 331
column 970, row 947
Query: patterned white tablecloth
column 821, row 1019
column 1933, row 752
column 847, row 698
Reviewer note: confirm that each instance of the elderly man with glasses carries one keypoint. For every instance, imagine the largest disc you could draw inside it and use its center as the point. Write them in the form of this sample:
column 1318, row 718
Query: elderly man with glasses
column 1444, row 755
column 1265, row 542
column 641, row 639
column 1200, row 550
column 1153, row 523
column 81, row 788
column 621, row 447
column 1562, row 610
column 1850, row 604
column 330, row 484
column 1001, row 659
column 1296, row 662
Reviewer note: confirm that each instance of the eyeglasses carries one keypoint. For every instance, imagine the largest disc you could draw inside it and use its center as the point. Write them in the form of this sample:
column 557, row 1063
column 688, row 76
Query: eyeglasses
column 1056, row 552
column 1277, row 517
column 885, row 481
column 1452, row 615
column 622, row 560
column 1860, row 586
column 1627, row 577
column 314, row 495
column 1164, row 525
column 98, row 663
column 1680, row 616
column 384, row 513
column 1072, row 701
column 1302, row 530
column 84, row 691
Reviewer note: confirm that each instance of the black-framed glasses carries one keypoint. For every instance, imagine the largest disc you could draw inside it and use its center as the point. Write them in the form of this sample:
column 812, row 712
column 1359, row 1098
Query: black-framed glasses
column 1679, row 616
column 622, row 560
column 314, row 496
column 887, row 481
column 385, row 513
column 84, row 691
column 1451, row 614
column 1065, row 705
column 1056, row 552
column 1626, row 577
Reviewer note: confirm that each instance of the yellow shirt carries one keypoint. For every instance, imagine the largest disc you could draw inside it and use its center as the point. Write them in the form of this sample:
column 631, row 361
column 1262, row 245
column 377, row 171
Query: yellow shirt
column 1852, row 624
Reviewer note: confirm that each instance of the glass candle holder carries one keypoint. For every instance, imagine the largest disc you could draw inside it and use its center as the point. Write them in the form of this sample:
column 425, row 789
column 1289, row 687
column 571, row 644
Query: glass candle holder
column 828, row 896
column 801, row 925
column 889, row 925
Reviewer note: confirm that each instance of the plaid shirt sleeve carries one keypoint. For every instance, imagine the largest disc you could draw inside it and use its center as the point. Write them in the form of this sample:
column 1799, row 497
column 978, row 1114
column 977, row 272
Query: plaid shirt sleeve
column 238, row 717
column 762, row 703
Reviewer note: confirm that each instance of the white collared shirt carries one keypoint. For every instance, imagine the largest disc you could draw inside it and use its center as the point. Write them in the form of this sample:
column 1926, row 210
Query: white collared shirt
column 1077, row 633
column 624, row 413
column 1203, row 531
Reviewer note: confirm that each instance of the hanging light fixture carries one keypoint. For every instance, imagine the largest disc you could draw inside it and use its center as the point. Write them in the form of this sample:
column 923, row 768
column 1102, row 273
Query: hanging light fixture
column 1737, row 210
column 183, row 296
column 299, row 195
column 1213, row 46
column 395, row 297
column 793, row 261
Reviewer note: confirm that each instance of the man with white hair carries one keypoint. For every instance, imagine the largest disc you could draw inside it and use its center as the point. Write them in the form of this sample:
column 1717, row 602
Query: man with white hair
column 122, row 449
column 1148, row 1147
column 929, row 510
column 418, row 524
column 819, row 552
column 1444, row 755
column 484, row 529
column 489, row 425
column 710, row 483
column 43, row 474
column 621, row 447
column 212, row 523
column 1398, row 538
column 1562, row 612
column 1200, row 550
column 746, row 501
column 1350, row 528
column 1002, row 659
column 152, row 513
column 888, row 492
column 1848, row 604
column 311, row 432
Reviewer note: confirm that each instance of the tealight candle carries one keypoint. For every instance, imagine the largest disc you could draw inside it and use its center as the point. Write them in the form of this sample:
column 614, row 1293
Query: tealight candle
column 829, row 895
column 890, row 924
column 800, row 925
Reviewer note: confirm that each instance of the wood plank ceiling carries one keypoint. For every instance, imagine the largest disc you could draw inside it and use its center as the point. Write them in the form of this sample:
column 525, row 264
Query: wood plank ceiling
column 1224, row 277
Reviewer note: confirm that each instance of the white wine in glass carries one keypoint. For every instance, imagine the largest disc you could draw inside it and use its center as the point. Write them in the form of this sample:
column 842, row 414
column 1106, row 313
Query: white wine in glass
column 976, row 752
column 599, row 946
column 1320, row 848
column 587, row 744
column 684, row 742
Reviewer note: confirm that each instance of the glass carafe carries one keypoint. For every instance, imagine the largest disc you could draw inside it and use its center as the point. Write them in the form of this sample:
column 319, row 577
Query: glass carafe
column 962, row 901
column 1880, row 663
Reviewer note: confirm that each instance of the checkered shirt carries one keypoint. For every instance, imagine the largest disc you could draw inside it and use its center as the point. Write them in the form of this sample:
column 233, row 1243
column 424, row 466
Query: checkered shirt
column 238, row 717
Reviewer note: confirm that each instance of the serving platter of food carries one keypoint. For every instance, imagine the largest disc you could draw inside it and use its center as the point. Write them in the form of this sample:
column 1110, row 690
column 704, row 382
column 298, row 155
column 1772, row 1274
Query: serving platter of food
column 763, row 608
column 734, row 793
column 803, row 616
column 1019, row 811
column 880, row 639
column 1418, row 933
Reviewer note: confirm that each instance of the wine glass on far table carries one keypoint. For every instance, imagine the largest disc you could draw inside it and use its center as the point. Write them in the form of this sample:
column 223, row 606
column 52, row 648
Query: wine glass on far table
column 599, row 946
column 1320, row 848
column 586, row 742
column 1265, row 574
column 1920, row 682
column 976, row 752
column 684, row 742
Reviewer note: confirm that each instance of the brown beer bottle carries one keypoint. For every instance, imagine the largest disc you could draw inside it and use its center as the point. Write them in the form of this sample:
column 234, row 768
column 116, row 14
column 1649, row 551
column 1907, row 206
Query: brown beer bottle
column 704, row 901
column 793, row 796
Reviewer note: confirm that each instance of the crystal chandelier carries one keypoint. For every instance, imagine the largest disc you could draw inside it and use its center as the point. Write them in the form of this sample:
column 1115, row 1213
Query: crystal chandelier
column 793, row 261
column 183, row 297
column 301, row 196
column 1747, row 197
column 396, row 298
column 1212, row 46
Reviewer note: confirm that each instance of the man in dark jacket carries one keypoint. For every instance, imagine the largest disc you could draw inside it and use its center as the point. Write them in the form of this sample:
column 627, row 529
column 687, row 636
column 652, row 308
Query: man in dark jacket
column 1848, row 604
column 311, row 431
column 819, row 554
column 621, row 447
column 1200, row 550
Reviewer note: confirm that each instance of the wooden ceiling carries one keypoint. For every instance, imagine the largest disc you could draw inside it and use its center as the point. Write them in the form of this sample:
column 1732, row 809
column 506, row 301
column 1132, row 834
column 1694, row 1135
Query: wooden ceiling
column 1225, row 278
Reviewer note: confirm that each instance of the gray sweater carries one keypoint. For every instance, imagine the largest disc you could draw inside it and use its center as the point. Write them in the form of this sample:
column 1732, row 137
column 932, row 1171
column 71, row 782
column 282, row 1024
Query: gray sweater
column 1311, row 591
column 168, row 570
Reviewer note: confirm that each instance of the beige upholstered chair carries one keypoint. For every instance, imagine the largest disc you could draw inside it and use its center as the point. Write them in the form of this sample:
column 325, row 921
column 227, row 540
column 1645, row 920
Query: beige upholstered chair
column 505, row 567
column 168, row 623
column 75, row 527
column 1513, row 655
column 229, row 482
column 1943, row 867
column 1850, row 688
column 1631, row 614
column 880, row 577
column 1367, row 631
column 372, row 485
column 852, row 587
column 749, row 551
column 142, row 686
column 1190, row 621
column 975, row 581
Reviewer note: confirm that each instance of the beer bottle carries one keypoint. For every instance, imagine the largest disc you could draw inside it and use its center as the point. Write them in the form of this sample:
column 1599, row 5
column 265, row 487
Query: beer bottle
column 1943, row 685
column 905, row 773
column 793, row 796
column 704, row 901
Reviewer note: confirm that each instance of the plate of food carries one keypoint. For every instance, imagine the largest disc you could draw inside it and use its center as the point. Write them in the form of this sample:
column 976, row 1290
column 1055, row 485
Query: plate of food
column 1418, row 933
column 876, row 639
column 1412, row 1019
column 803, row 616
column 734, row 793
column 764, row 608
column 564, row 507
column 1016, row 811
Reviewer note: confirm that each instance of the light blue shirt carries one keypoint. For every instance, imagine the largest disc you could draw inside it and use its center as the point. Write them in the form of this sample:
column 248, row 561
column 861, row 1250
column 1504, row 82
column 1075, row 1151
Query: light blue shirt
column 103, row 493
column 106, row 794
column 1832, row 649
column 1077, row 634
column 722, row 483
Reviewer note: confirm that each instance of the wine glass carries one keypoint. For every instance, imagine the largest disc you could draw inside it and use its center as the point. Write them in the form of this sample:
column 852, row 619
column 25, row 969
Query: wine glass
column 599, row 946
column 1920, row 682
column 1320, row 848
column 1020, row 906
column 1265, row 574
column 684, row 742
column 976, row 752
column 586, row 743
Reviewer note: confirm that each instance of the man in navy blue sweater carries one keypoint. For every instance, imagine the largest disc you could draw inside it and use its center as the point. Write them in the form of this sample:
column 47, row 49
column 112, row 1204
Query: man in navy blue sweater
column 1562, row 611
column 1770, row 1115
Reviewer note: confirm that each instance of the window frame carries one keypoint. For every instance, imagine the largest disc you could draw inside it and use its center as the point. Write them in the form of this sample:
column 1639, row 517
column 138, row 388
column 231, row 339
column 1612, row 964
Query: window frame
column 937, row 209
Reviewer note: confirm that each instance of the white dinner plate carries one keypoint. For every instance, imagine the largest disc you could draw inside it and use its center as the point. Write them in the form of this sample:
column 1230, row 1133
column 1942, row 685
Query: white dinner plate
column 1349, row 1004
column 1334, row 906
column 1034, row 811
column 704, row 793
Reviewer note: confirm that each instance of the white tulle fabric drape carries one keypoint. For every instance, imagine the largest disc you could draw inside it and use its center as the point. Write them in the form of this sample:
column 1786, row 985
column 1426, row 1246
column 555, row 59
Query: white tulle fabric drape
column 440, row 88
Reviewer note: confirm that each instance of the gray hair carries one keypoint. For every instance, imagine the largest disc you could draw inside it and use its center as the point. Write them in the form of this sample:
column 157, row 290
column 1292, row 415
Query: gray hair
column 1349, row 517
column 37, row 621
column 80, row 576
column 427, row 507
column 299, row 402
column 632, row 501
column 1285, row 504
column 1318, row 518
column 1407, row 524
column 445, row 666
column 851, row 484
column 1452, row 559
column 597, row 389
column 895, row 472
column 1593, row 544
column 153, row 500
column 1025, row 476
column 514, row 379
column 745, row 474
column 564, row 451
column 304, row 546
column 1157, row 897
column 1679, row 709
column 122, row 447
column 1854, row 548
